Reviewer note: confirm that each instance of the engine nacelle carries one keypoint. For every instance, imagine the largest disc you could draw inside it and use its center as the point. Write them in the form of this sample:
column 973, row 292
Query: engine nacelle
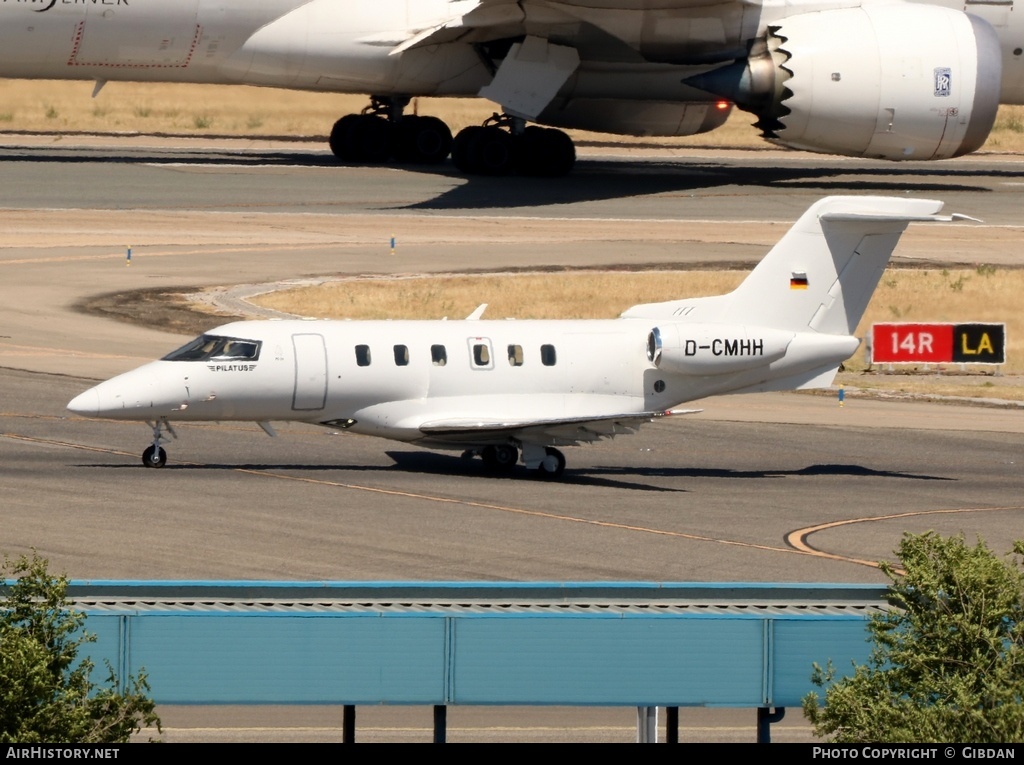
column 889, row 81
column 715, row 349
column 640, row 118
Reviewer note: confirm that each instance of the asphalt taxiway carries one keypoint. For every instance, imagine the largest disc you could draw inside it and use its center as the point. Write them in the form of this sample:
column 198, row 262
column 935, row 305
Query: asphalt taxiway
column 760, row 488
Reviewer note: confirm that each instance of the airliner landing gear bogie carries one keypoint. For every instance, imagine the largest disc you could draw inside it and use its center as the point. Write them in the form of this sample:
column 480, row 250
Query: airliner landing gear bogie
column 502, row 146
column 383, row 132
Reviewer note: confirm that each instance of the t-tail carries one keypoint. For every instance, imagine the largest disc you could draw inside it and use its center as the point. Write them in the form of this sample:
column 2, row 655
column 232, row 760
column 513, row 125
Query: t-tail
column 794, row 317
column 821, row 274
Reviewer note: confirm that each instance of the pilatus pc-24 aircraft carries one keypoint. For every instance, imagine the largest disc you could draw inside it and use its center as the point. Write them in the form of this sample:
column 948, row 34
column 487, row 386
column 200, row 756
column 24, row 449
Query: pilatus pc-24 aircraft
column 510, row 390
column 867, row 78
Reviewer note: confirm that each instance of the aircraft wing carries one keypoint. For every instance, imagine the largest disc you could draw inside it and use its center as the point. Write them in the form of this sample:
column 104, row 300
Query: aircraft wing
column 557, row 432
column 481, row 20
column 486, row 20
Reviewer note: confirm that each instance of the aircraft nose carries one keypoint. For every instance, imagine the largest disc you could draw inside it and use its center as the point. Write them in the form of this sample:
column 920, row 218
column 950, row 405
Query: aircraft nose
column 87, row 403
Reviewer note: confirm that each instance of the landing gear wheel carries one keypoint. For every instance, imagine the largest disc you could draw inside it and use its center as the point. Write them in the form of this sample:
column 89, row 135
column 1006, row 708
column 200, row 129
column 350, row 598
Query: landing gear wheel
column 340, row 140
column 492, row 151
column 484, row 150
column 422, row 140
column 553, row 464
column 372, row 138
column 154, row 457
column 545, row 152
column 361, row 138
column 502, row 457
column 460, row 149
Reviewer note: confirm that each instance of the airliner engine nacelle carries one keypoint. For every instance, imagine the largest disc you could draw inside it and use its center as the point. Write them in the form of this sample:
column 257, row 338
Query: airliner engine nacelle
column 714, row 349
column 894, row 81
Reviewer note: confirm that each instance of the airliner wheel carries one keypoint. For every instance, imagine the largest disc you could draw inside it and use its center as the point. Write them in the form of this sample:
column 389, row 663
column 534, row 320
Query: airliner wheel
column 422, row 140
column 154, row 457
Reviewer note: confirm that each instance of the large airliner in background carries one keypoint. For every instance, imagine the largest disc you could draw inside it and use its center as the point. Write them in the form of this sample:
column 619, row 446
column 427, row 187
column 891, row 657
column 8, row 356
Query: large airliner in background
column 867, row 78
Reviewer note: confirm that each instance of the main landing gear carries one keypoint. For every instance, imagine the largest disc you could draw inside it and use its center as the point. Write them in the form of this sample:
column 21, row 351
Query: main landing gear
column 502, row 458
column 383, row 132
column 553, row 464
column 154, row 456
column 503, row 145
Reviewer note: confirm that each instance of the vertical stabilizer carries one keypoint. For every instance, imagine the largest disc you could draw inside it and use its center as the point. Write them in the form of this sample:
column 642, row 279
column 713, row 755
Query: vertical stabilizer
column 822, row 273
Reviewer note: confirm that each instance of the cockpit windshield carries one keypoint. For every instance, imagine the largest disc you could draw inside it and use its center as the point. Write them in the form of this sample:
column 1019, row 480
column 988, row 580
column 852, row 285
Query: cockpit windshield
column 215, row 348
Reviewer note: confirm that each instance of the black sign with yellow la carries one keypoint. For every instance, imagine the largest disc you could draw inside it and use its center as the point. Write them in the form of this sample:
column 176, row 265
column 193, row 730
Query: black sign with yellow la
column 979, row 343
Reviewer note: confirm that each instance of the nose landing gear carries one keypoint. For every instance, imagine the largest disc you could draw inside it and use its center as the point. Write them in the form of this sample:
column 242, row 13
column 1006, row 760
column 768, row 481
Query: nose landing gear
column 154, row 456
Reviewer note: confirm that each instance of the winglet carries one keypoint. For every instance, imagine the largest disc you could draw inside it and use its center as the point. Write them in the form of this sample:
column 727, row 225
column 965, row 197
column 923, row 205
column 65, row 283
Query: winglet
column 477, row 313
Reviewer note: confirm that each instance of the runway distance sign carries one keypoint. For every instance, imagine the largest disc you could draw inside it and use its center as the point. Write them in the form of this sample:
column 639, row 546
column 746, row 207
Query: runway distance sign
column 908, row 343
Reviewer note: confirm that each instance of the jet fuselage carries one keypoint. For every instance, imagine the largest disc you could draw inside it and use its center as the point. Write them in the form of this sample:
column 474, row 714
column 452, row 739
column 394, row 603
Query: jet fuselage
column 393, row 378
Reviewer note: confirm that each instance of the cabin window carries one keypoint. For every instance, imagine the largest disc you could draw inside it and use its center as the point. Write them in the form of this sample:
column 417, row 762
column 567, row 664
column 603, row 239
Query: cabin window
column 481, row 355
column 438, row 355
column 547, row 355
column 363, row 355
column 515, row 355
column 402, row 355
column 216, row 348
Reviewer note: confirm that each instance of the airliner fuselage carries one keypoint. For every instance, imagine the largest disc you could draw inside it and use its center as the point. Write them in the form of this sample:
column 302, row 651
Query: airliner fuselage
column 874, row 78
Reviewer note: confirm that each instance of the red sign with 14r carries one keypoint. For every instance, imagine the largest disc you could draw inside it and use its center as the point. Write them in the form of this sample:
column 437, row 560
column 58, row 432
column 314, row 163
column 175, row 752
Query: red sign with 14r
column 938, row 343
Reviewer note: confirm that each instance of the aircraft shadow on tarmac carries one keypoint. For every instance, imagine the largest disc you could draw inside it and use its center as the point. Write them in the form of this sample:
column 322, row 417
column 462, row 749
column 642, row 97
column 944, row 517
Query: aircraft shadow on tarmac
column 444, row 464
column 809, row 471
column 424, row 463
column 591, row 180
column 439, row 464
column 596, row 180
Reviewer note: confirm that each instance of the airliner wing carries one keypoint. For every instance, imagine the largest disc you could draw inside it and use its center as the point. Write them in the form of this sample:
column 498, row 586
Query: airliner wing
column 486, row 20
column 558, row 431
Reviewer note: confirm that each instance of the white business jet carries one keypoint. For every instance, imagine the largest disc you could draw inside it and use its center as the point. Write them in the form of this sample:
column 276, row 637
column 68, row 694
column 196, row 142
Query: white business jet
column 510, row 390
column 867, row 78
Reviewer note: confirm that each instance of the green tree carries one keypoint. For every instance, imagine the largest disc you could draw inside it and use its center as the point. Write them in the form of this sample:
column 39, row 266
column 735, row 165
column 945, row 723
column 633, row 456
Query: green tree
column 947, row 664
column 46, row 694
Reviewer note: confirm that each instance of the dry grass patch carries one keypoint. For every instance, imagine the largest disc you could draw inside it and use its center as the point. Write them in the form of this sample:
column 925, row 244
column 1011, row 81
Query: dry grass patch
column 555, row 295
column 978, row 384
